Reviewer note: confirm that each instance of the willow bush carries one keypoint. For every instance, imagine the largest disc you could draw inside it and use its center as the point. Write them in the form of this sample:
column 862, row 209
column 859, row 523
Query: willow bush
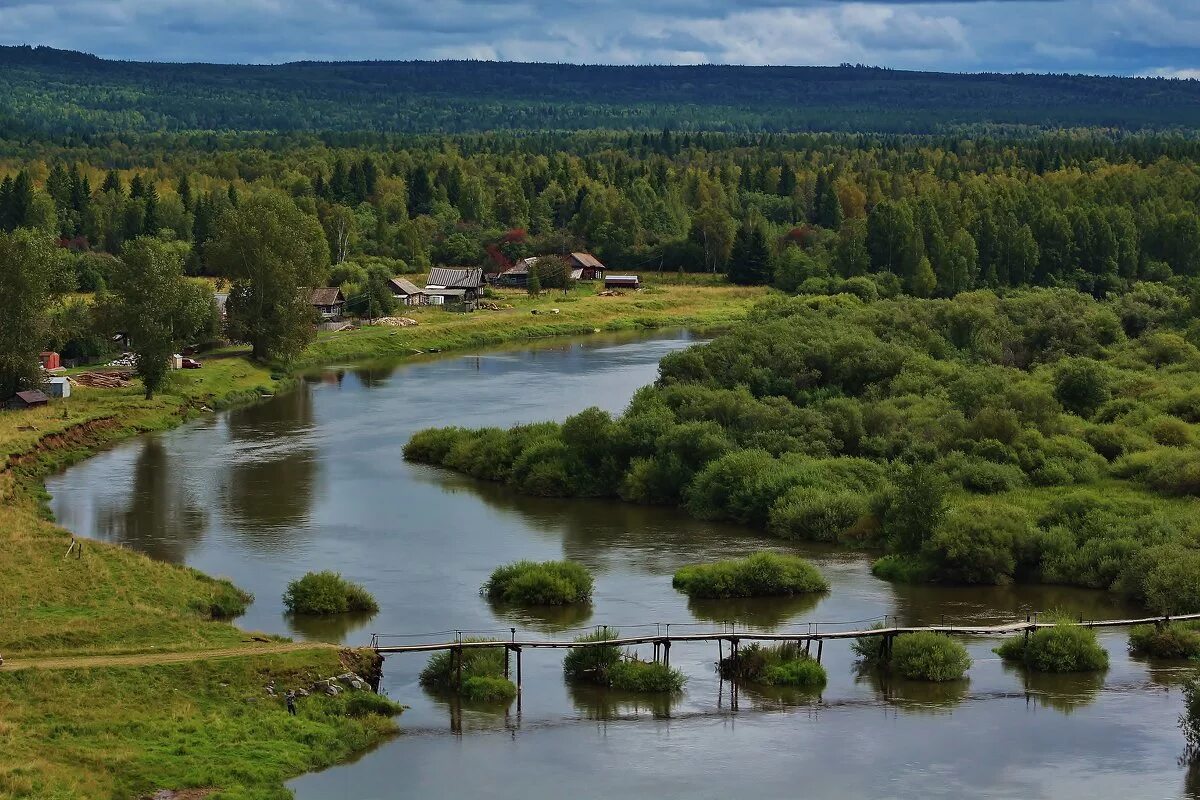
column 320, row 593
column 1176, row 640
column 759, row 575
column 548, row 583
column 1061, row 648
column 780, row 665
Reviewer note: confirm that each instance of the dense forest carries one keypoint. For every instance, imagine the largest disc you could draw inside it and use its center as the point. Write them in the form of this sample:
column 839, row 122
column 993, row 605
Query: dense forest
column 1043, row 435
column 929, row 216
column 53, row 92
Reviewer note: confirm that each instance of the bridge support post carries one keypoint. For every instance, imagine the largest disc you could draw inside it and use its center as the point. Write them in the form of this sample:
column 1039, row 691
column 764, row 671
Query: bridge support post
column 507, row 653
column 820, row 647
column 667, row 653
column 518, row 670
column 458, row 658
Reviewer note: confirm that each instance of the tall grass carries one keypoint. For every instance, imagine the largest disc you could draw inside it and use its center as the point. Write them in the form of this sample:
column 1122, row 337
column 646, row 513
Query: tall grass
column 1061, row 648
column 327, row 593
column 606, row 665
column 441, row 673
column 781, row 665
column 760, row 575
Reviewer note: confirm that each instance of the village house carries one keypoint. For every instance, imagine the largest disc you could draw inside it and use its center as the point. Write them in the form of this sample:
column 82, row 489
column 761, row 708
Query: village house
column 454, row 285
column 406, row 292
column 583, row 267
column 328, row 301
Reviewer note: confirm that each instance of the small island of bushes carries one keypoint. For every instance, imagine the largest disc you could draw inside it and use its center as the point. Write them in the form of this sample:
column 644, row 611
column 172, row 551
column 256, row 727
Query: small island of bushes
column 782, row 665
column 917, row 656
column 760, row 575
column 1178, row 640
column 321, row 593
column 546, row 583
column 1061, row 648
column 606, row 665
column 483, row 678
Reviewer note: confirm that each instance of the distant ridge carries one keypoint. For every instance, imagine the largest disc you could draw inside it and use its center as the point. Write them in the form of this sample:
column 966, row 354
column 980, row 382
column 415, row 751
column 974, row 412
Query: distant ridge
column 44, row 91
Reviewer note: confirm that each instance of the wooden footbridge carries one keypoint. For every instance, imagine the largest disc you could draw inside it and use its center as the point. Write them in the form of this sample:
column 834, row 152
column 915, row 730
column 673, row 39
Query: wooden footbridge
column 662, row 638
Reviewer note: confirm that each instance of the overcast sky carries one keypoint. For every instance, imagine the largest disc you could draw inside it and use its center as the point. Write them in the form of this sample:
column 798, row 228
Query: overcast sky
column 1123, row 37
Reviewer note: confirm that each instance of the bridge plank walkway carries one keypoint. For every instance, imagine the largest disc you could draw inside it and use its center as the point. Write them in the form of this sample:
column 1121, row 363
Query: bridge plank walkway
column 754, row 636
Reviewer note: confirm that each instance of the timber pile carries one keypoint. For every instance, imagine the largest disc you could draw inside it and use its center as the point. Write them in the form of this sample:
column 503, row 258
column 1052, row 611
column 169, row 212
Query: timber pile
column 103, row 380
column 610, row 293
column 397, row 322
column 493, row 306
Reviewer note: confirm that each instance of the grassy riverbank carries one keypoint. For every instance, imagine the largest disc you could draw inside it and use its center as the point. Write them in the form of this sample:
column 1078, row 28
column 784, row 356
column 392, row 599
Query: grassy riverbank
column 124, row 731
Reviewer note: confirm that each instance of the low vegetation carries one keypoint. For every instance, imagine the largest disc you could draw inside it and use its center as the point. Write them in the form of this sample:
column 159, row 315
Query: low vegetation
column 1189, row 720
column 546, row 583
column 928, row 656
column 1177, row 640
column 319, row 593
column 606, row 665
column 759, row 575
column 182, row 726
column 780, row 665
column 1061, row 648
column 918, row 656
column 482, row 673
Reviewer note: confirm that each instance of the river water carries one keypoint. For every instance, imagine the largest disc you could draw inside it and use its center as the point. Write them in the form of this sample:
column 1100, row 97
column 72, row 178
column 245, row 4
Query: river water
column 314, row 479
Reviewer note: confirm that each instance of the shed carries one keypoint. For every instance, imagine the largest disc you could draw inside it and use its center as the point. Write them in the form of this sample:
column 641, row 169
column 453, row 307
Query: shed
column 622, row 282
column 406, row 292
column 59, row 387
column 30, row 399
column 328, row 301
column 587, row 265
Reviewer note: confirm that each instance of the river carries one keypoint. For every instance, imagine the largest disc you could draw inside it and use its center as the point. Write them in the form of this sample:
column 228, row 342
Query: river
column 314, row 479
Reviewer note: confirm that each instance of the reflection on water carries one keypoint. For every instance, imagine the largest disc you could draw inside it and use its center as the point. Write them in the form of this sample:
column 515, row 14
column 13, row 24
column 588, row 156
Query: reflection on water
column 606, row 705
column 274, row 467
column 544, row 619
column 918, row 697
column 767, row 613
column 1061, row 691
column 330, row 627
column 160, row 517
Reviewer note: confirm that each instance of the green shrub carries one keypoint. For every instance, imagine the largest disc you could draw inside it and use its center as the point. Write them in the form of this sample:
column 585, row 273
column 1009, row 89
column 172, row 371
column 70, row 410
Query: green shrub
column 1189, row 720
column 488, row 689
column 979, row 542
column 592, row 664
column 362, row 704
column 604, row 665
column 760, row 575
column 807, row 512
column 986, row 477
column 441, row 672
column 432, row 445
column 1176, row 640
column 1082, row 385
column 929, row 656
column 1164, row 578
column 871, row 651
column 632, row 675
column 327, row 593
column 226, row 602
column 1061, row 648
column 781, row 665
column 548, row 583
column 1171, row 432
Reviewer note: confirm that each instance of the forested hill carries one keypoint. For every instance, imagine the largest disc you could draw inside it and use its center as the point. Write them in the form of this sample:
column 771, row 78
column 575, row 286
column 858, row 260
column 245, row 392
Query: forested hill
column 54, row 92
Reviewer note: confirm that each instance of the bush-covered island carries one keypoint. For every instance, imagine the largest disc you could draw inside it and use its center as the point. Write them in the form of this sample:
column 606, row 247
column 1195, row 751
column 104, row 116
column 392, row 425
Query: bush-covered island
column 1040, row 435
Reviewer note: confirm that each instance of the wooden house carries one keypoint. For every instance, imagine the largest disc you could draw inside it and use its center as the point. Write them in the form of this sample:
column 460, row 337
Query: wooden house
column 454, row 285
column 585, row 267
column 328, row 302
column 406, row 292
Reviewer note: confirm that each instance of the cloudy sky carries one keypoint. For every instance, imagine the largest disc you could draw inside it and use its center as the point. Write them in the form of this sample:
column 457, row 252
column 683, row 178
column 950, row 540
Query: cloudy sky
column 1124, row 37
